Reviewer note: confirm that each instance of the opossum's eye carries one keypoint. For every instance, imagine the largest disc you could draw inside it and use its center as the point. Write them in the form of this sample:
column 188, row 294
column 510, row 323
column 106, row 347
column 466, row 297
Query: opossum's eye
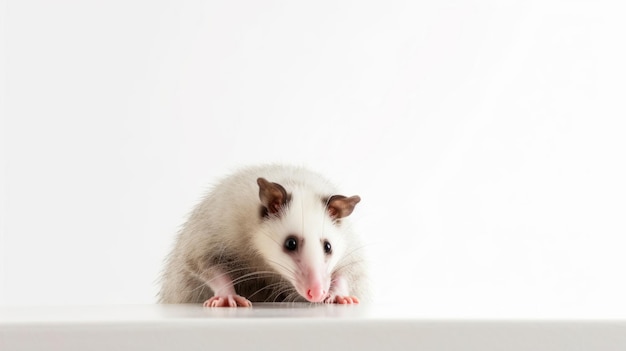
column 291, row 244
column 327, row 248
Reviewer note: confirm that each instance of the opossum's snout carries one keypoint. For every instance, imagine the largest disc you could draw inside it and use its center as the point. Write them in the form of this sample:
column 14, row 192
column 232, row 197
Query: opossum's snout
column 312, row 286
column 315, row 294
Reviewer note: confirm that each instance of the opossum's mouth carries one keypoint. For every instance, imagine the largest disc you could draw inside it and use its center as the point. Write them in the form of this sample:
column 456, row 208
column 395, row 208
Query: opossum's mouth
column 313, row 293
column 310, row 284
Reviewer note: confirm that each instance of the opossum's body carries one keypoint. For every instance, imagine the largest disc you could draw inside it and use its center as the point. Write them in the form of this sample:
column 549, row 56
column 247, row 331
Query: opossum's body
column 267, row 233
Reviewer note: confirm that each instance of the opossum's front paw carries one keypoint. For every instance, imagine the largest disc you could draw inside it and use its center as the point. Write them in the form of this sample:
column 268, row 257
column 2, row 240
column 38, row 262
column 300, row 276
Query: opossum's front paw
column 342, row 300
column 227, row 301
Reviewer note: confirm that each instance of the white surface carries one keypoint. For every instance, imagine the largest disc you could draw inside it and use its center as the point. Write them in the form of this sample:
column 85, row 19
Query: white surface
column 486, row 139
column 285, row 327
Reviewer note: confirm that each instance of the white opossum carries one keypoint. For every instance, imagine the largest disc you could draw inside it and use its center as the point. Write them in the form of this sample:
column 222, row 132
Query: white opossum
column 267, row 233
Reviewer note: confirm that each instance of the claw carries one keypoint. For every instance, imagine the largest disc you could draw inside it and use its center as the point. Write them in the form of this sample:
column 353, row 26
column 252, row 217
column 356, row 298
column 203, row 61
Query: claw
column 227, row 301
column 342, row 300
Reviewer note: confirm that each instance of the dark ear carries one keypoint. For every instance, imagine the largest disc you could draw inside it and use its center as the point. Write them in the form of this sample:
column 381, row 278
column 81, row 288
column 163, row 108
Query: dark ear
column 340, row 206
column 273, row 196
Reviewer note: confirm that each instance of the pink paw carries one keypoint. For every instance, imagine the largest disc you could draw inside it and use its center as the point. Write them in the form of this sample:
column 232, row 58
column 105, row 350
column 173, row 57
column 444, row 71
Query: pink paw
column 227, row 301
column 342, row 300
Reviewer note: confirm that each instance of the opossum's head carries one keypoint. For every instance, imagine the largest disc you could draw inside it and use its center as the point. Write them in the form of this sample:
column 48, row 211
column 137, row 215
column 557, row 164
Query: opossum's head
column 302, row 235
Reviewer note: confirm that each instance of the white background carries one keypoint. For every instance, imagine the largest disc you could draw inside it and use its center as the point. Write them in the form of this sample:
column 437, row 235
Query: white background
column 485, row 138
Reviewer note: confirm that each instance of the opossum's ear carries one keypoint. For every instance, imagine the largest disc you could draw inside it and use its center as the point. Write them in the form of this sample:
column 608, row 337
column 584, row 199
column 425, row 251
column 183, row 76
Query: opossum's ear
column 273, row 196
column 340, row 206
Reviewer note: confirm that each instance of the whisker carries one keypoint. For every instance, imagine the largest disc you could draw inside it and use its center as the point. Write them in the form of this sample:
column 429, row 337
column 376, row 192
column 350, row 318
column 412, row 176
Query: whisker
column 283, row 290
column 293, row 297
column 253, row 277
column 270, row 286
column 340, row 264
column 199, row 272
column 290, row 271
column 351, row 252
column 344, row 265
column 278, row 263
column 253, row 274
column 237, row 280
column 202, row 290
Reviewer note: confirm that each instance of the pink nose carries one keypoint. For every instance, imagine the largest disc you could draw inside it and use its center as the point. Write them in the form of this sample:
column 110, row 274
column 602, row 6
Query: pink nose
column 315, row 294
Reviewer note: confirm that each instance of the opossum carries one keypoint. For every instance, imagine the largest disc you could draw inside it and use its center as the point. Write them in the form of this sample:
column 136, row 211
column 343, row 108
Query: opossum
column 267, row 233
